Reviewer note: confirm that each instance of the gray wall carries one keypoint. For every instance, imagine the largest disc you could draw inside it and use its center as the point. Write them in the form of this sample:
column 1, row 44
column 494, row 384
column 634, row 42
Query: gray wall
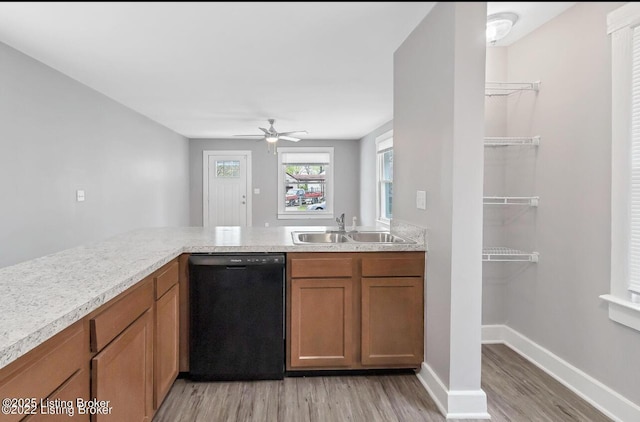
column 264, row 174
column 439, row 75
column 56, row 136
column 368, row 175
column 555, row 303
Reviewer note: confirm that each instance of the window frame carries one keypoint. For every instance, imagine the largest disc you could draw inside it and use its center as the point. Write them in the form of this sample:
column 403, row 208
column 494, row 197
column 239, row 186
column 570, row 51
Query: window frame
column 283, row 214
column 383, row 143
column 624, row 306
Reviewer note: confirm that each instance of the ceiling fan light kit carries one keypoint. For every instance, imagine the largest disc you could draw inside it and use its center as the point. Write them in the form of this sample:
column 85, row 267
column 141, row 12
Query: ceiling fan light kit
column 272, row 136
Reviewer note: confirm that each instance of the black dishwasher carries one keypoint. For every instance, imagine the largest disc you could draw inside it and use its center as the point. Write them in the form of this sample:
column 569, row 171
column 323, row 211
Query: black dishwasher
column 236, row 316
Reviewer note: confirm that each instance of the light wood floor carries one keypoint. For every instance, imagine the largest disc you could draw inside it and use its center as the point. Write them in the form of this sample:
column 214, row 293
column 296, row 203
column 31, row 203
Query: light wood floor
column 517, row 391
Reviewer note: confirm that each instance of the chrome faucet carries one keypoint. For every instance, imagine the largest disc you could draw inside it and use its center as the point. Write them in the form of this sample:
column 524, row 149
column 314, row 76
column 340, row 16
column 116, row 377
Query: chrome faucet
column 340, row 221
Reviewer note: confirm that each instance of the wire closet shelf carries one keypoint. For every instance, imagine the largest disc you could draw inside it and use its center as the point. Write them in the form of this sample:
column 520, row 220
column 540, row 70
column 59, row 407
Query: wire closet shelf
column 501, row 254
column 504, row 89
column 505, row 141
column 530, row 201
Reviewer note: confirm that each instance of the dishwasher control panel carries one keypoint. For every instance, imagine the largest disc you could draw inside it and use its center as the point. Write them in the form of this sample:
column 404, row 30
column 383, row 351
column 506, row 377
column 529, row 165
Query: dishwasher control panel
column 238, row 259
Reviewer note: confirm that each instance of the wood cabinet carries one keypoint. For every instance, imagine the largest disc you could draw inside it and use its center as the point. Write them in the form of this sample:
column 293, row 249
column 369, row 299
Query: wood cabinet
column 355, row 310
column 320, row 311
column 321, row 322
column 122, row 371
column 392, row 309
column 57, row 369
column 166, row 333
column 125, row 352
column 183, row 267
column 392, row 321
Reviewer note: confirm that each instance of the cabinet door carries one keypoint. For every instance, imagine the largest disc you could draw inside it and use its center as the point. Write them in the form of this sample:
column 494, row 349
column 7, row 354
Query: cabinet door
column 321, row 323
column 122, row 373
column 392, row 321
column 166, row 344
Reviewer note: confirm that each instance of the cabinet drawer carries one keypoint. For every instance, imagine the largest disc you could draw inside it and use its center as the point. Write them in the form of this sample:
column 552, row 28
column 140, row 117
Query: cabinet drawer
column 46, row 369
column 393, row 267
column 112, row 321
column 167, row 277
column 321, row 267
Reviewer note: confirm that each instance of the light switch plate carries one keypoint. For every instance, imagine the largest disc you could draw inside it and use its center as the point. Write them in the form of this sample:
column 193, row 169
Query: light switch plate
column 80, row 195
column 421, row 200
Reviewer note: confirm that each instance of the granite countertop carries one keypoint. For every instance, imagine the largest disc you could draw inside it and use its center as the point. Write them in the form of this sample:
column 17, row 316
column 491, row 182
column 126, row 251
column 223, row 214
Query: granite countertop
column 43, row 296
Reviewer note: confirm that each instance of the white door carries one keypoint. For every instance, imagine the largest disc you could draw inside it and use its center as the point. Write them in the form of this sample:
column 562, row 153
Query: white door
column 226, row 188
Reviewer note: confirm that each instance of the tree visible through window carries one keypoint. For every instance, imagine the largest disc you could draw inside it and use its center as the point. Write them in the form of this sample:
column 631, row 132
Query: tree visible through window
column 305, row 182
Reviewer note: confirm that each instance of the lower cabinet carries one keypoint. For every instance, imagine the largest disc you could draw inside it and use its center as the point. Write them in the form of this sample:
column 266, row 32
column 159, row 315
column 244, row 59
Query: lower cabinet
column 76, row 387
column 122, row 373
column 321, row 322
column 166, row 347
column 355, row 310
column 392, row 321
column 58, row 369
column 124, row 354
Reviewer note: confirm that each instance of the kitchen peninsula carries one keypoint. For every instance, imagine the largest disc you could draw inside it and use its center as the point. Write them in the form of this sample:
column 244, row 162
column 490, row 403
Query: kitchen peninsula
column 45, row 296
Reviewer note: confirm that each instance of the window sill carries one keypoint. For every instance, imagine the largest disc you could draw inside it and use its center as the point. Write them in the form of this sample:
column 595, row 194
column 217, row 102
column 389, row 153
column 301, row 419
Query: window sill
column 623, row 311
column 306, row 216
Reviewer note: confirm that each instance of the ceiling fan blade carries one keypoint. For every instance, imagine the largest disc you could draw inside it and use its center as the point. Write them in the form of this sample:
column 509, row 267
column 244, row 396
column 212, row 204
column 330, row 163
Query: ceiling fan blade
column 294, row 132
column 288, row 138
column 264, row 130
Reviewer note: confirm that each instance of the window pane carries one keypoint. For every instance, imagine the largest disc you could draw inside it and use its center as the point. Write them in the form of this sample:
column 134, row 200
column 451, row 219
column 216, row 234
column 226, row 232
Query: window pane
column 387, row 165
column 386, row 199
column 228, row 168
column 305, row 185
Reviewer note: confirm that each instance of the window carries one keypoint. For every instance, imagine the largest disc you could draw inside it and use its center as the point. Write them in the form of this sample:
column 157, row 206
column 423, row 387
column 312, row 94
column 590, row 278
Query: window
column 228, row 168
column 384, row 177
column 305, row 182
column 624, row 298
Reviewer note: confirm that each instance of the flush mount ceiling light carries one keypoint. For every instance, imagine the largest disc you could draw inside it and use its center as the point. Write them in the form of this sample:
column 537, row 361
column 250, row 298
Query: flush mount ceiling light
column 499, row 25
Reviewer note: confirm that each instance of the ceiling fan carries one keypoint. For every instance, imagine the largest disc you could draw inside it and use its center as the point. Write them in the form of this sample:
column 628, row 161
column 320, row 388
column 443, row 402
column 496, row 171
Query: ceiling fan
column 272, row 136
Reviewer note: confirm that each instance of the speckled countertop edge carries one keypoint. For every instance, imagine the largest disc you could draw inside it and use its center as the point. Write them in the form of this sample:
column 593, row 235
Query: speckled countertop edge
column 43, row 296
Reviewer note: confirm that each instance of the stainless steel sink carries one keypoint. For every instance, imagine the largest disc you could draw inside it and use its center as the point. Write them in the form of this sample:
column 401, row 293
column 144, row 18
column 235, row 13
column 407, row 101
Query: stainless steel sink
column 301, row 237
column 376, row 237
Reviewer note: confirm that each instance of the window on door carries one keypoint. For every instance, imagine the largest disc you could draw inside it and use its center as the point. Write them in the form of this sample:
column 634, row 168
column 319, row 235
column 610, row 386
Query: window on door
column 305, row 182
column 384, row 176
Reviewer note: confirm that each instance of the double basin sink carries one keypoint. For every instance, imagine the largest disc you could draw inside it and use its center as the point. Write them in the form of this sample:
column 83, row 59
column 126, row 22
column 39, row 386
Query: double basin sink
column 304, row 238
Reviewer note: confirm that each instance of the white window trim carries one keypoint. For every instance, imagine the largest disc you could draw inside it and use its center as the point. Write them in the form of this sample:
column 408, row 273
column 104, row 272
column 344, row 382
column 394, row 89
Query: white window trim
column 383, row 141
column 623, row 304
column 329, row 182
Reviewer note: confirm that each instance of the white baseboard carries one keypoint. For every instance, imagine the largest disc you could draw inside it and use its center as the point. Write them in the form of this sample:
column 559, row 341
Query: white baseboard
column 603, row 398
column 453, row 404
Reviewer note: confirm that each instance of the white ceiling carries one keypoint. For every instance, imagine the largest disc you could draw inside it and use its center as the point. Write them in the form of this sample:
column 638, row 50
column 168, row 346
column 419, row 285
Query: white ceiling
column 215, row 69
column 531, row 15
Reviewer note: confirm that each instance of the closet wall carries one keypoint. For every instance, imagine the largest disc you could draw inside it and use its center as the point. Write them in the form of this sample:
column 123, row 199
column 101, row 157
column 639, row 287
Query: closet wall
column 555, row 302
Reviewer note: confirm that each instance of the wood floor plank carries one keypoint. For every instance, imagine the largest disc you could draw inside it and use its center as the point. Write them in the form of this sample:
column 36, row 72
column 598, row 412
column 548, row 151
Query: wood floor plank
column 517, row 391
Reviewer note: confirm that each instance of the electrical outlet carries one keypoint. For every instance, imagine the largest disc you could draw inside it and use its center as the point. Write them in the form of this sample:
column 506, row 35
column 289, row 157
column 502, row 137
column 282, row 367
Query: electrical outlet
column 80, row 196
